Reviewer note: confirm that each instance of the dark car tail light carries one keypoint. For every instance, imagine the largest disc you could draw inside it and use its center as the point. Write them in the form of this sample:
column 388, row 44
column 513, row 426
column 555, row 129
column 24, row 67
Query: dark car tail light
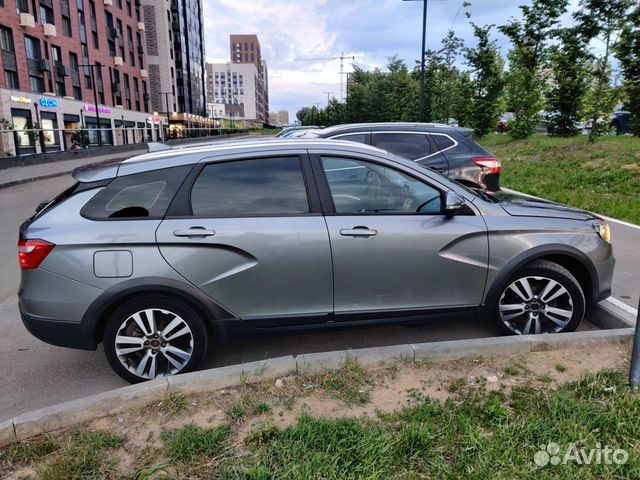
column 31, row 253
column 492, row 163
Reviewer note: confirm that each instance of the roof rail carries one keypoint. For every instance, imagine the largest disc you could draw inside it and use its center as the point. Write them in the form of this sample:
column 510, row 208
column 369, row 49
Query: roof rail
column 157, row 147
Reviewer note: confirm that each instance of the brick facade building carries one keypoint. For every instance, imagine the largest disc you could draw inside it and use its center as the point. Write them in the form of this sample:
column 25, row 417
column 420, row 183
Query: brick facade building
column 44, row 46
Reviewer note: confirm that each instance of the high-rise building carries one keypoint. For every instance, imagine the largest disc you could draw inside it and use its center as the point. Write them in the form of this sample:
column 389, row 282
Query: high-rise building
column 279, row 118
column 60, row 59
column 245, row 49
column 175, row 51
column 236, row 87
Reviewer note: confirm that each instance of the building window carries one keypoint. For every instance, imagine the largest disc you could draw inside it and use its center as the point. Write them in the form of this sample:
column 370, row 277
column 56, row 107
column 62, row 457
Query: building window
column 121, row 36
column 11, row 79
column 136, row 93
column 100, row 82
column 32, row 46
column 22, row 6
column 66, row 27
column 132, row 57
column 36, row 84
column 127, row 91
column 46, row 14
column 87, row 70
column 129, row 11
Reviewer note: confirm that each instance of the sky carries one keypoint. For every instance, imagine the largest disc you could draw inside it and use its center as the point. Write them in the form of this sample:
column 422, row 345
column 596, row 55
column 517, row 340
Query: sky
column 299, row 37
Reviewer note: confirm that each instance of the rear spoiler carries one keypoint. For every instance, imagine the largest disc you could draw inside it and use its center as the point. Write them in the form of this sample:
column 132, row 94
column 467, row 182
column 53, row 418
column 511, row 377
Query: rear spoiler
column 109, row 169
column 464, row 131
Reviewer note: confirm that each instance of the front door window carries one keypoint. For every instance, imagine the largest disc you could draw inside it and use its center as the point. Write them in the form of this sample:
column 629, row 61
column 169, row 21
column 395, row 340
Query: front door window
column 365, row 187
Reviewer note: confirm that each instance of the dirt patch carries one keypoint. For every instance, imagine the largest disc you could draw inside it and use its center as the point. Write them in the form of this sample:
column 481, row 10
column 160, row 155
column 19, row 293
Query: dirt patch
column 251, row 407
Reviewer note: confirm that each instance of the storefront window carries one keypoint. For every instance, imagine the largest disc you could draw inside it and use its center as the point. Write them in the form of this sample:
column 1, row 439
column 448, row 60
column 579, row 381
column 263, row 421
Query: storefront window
column 49, row 130
column 24, row 136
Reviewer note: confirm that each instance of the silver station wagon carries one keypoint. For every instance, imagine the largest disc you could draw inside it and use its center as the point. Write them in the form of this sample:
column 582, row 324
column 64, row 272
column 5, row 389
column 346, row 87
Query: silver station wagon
column 152, row 255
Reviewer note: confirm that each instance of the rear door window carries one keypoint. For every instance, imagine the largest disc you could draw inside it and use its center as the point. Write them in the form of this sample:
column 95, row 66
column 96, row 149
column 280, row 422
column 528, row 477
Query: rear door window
column 141, row 195
column 253, row 187
column 408, row 145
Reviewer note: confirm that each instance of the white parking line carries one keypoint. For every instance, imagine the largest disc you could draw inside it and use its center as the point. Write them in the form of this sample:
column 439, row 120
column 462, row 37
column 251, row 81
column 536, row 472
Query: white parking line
column 609, row 219
column 622, row 305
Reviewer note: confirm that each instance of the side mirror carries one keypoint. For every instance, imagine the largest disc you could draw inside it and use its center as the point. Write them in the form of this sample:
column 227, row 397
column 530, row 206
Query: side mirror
column 452, row 203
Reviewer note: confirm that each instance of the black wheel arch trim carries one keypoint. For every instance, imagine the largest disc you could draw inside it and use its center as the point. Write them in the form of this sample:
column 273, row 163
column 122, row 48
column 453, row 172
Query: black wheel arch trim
column 493, row 292
column 96, row 315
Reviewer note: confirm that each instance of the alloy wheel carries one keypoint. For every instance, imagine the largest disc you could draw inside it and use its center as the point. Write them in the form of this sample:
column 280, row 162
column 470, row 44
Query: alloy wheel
column 534, row 305
column 154, row 343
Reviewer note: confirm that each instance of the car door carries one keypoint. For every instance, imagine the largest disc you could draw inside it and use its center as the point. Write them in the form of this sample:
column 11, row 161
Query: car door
column 416, row 146
column 393, row 249
column 250, row 234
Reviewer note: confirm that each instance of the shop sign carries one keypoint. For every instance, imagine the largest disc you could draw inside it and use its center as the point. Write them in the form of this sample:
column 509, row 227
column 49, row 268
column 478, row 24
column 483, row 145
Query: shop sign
column 91, row 108
column 20, row 99
column 48, row 103
column 156, row 120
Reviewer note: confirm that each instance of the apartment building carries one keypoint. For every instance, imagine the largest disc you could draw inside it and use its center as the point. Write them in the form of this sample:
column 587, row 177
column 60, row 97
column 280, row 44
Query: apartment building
column 71, row 64
column 279, row 118
column 246, row 50
column 175, row 53
column 236, row 87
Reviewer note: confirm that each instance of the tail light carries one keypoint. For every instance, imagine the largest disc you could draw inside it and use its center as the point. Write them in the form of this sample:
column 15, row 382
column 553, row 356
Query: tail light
column 491, row 163
column 31, row 253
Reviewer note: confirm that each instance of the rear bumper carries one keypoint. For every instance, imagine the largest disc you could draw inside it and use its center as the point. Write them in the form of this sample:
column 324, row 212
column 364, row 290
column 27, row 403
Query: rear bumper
column 59, row 333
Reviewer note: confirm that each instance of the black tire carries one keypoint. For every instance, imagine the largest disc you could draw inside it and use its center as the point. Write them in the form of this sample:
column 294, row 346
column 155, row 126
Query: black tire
column 547, row 270
column 191, row 317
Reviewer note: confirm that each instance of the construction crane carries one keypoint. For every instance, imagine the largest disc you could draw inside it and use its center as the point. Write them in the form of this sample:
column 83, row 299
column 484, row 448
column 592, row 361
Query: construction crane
column 342, row 58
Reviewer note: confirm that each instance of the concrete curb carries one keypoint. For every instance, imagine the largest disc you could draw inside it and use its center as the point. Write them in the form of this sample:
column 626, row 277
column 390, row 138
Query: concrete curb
column 224, row 377
column 71, row 413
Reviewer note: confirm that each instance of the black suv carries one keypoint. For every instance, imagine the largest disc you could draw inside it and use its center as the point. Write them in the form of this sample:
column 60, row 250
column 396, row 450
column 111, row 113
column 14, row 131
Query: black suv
column 446, row 149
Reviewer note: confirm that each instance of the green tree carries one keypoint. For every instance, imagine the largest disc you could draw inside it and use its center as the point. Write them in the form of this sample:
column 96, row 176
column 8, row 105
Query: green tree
column 525, row 80
column 304, row 116
column 487, row 81
column 570, row 64
column 604, row 20
column 628, row 53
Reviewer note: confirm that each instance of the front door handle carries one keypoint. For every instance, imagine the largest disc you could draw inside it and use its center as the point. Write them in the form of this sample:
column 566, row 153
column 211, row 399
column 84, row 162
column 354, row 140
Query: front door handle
column 194, row 232
column 358, row 232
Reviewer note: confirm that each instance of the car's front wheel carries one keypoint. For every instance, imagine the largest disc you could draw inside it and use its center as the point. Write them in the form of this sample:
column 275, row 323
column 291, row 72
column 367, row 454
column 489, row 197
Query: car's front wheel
column 542, row 297
column 154, row 336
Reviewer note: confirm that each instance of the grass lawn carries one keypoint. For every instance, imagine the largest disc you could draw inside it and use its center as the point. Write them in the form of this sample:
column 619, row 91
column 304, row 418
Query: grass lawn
column 267, row 132
column 603, row 177
column 452, row 422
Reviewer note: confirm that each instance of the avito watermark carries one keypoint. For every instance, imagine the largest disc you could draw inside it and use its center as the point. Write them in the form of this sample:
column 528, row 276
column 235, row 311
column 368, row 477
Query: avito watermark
column 553, row 454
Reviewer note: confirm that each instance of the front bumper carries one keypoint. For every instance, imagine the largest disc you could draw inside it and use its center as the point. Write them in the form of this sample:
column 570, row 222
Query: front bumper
column 59, row 333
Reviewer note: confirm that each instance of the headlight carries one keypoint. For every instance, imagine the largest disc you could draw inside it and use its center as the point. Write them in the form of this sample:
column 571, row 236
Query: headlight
column 602, row 228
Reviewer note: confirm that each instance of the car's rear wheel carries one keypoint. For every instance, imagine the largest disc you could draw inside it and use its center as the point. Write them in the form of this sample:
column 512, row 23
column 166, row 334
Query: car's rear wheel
column 542, row 297
column 154, row 336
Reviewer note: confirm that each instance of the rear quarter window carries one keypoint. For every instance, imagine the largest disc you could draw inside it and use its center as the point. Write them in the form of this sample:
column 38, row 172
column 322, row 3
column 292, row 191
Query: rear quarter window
column 144, row 195
column 442, row 142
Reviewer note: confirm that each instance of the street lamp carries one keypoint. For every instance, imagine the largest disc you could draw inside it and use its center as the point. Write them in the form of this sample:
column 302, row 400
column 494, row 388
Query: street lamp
column 95, row 96
column 424, row 39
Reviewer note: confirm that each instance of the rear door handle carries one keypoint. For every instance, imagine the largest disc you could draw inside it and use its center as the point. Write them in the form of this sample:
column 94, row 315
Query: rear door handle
column 194, row 232
column 358, row 232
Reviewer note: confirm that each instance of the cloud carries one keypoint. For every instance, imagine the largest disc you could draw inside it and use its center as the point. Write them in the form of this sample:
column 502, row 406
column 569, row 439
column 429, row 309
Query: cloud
column 291, row 31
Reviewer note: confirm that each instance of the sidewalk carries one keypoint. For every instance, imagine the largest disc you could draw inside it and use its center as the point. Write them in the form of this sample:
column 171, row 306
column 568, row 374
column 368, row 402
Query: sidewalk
column 18, row 175
column 30, row 173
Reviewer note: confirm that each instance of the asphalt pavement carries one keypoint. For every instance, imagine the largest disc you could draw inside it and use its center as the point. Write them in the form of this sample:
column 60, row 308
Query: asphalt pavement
column 35, row 374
